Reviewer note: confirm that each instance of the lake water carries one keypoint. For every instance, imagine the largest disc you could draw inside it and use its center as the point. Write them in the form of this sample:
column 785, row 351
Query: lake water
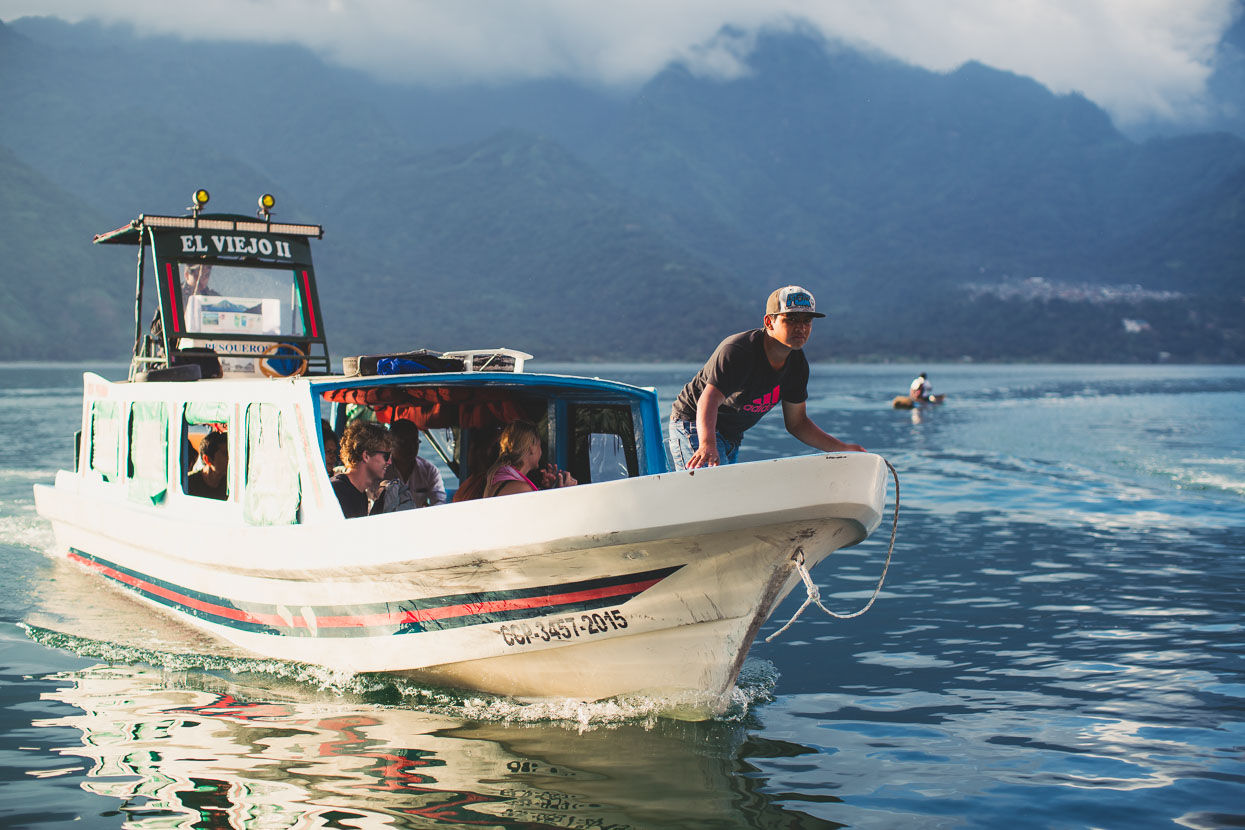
column 1058, row 644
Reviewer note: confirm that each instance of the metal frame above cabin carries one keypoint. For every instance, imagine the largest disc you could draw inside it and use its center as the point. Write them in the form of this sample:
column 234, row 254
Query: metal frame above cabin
column 131, row 234
column 167, row 235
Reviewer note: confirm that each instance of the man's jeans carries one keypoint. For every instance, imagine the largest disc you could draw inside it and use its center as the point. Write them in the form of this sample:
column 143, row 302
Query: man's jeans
column 684, row 442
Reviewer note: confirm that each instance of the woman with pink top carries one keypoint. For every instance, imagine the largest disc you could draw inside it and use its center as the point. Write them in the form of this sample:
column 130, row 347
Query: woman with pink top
column 518, row 457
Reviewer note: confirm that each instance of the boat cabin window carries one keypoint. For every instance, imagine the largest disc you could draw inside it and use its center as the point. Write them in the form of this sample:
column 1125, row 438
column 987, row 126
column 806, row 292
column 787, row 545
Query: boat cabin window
column 233, row 299
column 602, row 443
column 148, row 451
column 452, row 418
column 106, row 439
column 593, row 437
column 272, row 491
column 205, row 477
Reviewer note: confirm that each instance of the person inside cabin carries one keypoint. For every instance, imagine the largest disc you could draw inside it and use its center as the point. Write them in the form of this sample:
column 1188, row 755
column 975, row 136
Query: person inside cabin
column 195, row 280
column 210, row 480
column 481, row 453
column 518, row 457
column 921, row 390
column 748, row 375
column 421, row 475
column 332, row 448
column 366, row 449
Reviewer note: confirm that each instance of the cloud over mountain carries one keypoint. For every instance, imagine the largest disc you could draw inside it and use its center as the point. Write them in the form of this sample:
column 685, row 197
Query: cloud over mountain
column 1141, row 61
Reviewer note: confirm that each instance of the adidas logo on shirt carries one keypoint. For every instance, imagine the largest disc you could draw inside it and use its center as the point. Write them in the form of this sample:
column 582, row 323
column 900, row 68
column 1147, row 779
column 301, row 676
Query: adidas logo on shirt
column 764, row 403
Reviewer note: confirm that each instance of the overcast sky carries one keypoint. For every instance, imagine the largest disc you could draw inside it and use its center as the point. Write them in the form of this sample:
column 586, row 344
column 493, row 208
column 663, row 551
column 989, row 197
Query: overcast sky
column 1138, row 59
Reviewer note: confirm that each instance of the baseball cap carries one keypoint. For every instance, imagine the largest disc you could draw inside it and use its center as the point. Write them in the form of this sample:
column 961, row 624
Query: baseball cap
column 792, row 300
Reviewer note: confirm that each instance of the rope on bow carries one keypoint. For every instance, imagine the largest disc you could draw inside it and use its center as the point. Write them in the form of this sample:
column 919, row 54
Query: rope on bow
column 814, row 593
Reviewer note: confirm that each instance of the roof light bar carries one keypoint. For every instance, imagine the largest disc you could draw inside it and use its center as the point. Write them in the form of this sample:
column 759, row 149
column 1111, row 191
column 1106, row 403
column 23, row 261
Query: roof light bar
column 168, row 221
column 297, row 230
column 230, row 225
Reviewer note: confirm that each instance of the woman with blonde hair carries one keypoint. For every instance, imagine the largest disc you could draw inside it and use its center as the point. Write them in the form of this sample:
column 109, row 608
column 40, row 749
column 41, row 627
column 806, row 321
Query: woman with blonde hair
column 518, row 455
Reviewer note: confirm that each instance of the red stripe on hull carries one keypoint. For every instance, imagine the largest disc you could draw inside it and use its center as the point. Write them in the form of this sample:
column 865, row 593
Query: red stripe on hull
column 370, row 620
column 174, row 596
column 490, row 606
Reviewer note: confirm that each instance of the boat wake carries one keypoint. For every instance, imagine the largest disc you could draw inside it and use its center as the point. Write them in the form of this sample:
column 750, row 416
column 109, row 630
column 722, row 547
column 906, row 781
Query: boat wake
column 270, row 679
column 26, row 530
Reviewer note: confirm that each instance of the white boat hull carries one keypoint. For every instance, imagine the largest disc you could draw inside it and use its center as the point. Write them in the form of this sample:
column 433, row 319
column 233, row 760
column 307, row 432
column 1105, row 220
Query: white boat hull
column 517, row 596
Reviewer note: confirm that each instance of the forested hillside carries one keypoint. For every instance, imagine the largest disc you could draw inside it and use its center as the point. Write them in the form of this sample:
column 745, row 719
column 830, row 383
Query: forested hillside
column 579, row 223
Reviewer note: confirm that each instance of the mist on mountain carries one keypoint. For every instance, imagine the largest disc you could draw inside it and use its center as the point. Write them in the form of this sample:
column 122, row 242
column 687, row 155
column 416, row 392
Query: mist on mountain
column 584, row 223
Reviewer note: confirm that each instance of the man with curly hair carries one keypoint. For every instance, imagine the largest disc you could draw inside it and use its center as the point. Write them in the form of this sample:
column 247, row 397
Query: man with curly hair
column 366, row 448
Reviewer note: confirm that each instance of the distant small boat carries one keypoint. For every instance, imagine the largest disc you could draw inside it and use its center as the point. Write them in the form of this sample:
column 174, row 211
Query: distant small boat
column 907, row 402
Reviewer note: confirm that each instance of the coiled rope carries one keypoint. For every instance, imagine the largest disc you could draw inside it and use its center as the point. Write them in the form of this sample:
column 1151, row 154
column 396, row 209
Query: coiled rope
column 814, row 593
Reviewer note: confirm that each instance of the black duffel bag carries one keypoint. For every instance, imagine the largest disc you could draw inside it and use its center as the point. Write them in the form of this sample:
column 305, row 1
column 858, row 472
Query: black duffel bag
column 403, row 363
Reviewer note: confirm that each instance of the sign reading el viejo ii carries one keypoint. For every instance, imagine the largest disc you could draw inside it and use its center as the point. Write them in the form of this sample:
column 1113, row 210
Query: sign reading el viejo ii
column 235, row 244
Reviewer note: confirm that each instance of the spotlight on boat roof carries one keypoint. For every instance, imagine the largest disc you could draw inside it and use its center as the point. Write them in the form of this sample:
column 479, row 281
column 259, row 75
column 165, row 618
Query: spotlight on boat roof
column 265, row 204
column 201, row 198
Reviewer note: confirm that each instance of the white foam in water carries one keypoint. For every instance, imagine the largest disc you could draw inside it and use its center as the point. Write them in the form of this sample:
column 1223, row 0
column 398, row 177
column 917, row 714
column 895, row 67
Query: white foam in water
column 1231, row 480
column 27, row 530
column 755, row 685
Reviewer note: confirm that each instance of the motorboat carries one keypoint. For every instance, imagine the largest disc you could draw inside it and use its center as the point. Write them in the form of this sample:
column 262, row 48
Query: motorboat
column 639, row 581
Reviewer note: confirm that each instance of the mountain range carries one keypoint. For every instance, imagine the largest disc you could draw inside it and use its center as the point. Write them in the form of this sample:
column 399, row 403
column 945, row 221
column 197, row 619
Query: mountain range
column 584, row 223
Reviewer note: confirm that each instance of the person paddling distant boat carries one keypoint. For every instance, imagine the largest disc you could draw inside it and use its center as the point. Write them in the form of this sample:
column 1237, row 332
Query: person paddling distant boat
column 921, row 389
column 920, row 392
column 749, row 374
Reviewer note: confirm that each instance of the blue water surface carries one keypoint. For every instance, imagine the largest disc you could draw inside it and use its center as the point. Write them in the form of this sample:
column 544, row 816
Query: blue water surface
column 1058, row 644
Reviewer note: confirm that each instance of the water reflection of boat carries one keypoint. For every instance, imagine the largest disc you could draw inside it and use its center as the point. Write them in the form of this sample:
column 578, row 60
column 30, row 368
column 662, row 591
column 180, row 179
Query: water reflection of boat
column 196, row 752
column 637, row 582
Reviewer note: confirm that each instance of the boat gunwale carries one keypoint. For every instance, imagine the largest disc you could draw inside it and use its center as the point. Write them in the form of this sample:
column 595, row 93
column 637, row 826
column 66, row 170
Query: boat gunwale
column 725, row 503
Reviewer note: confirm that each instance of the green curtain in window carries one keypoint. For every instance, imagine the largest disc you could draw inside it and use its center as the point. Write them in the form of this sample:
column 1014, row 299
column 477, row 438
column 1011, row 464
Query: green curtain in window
column 272, row 491
column 207, row 412
column 149, row 452
column 106, row 439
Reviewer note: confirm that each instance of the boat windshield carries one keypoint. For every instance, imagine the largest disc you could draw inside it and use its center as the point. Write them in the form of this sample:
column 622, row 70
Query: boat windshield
column 235, row 299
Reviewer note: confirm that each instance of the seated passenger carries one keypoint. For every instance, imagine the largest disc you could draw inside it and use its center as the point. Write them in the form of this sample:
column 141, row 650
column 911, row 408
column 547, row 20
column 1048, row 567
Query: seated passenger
column 209, row 481
column 421, row 475
column 518, row 455
column 366, row 448
column 332, row 448
column 481, row 453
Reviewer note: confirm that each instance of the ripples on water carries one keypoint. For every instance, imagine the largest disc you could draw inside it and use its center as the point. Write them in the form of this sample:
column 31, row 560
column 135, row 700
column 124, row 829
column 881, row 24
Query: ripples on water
column 1058, row 645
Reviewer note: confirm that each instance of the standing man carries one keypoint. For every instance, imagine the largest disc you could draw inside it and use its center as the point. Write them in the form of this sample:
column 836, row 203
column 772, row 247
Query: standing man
column 747, row 375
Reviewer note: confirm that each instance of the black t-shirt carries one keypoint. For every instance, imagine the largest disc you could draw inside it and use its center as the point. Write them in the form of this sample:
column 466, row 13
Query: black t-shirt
column 354, row 503
column 196, row 485
column 739, row 368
